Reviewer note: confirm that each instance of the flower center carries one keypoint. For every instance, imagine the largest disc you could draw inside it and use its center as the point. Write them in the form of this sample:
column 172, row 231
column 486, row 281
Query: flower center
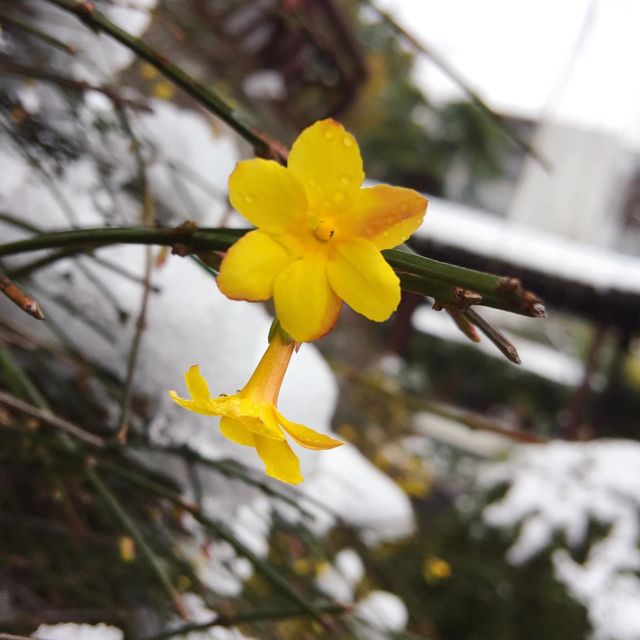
column 323, row 230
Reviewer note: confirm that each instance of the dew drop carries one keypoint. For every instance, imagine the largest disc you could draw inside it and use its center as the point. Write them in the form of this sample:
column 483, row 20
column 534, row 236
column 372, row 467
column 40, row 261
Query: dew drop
column 386, row 234
column 345, row 180
column 391, row 219
column 369, row 231
column 347, row 141
column 404, row 207
column 339, row 196
column 328, row 134
column 248, row 199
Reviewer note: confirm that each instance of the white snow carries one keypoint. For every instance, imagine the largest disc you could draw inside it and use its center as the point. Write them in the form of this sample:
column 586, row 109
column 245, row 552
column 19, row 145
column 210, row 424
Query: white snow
column 560, row 488
column 199, row 613
column 267, row 84
column 379, row 615
column 339, row 580
column 358, row 494
column 537, row 358
column 72, row 631
column 455, row 434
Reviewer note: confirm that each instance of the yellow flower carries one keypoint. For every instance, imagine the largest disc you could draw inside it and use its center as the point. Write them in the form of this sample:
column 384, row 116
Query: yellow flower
column 319, row 234
column 250, row 417
column 435, row 569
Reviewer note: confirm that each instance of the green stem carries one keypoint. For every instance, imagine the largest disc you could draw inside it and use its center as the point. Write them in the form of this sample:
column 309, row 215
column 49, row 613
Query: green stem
column 422, row 275
column 125, row 521
column 97, row 21
column 189, row 236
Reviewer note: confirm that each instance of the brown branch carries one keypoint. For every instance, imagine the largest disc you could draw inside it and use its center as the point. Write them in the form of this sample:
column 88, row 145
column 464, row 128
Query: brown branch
column 55, row 421
column 504, row 345
column 15, row 68
column 20, row 298
column 141, row 323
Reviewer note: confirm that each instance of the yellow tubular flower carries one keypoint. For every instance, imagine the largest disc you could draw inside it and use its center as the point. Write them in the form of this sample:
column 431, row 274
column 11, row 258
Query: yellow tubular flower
column 250, row 417
column 319, row 235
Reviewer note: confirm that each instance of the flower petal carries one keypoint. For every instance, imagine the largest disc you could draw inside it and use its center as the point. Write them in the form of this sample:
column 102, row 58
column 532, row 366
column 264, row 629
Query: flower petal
column 261, row 428
column 363, row 279
column 235, row 431
column 327, row 161
column 196, row 407
column 250, row 267
column 279, row 459
column 257, row 417
column 267, row 194
column 306, row 306
column 385, row 215
column 197, row 385
column 307, row 437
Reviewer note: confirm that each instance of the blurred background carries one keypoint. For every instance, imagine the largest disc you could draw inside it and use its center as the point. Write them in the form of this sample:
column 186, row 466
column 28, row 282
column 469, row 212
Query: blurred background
column 478, row 498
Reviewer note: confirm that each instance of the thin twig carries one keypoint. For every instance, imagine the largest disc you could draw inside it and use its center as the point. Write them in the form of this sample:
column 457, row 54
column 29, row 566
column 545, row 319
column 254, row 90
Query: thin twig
column 133, row 530
column 55, row 421
column 141, row 322
column 98, row 22
column 18, row 381
column 80, row 86
column 505, row 346
column 20, row 298
column 37, row 33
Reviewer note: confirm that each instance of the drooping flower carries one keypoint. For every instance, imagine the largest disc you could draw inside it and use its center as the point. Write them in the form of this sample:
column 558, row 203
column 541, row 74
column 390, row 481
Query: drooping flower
column 250, row 417
column 319, row 234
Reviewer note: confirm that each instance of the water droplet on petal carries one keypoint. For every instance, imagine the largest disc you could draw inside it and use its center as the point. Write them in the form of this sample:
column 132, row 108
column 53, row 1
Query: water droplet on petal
column 328, row 134
column 345, row 180
column 347, row 141
column 339, row 196
column 248, row 199
column 404, row 207
column 369, row 231
column 386, row 234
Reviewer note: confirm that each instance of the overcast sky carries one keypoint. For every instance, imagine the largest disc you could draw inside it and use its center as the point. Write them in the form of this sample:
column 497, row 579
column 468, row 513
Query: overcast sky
column 576, row 60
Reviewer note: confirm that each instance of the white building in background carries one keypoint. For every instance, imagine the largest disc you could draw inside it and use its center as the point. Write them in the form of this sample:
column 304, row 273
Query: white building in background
column 585, row 193
column 569, row 68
